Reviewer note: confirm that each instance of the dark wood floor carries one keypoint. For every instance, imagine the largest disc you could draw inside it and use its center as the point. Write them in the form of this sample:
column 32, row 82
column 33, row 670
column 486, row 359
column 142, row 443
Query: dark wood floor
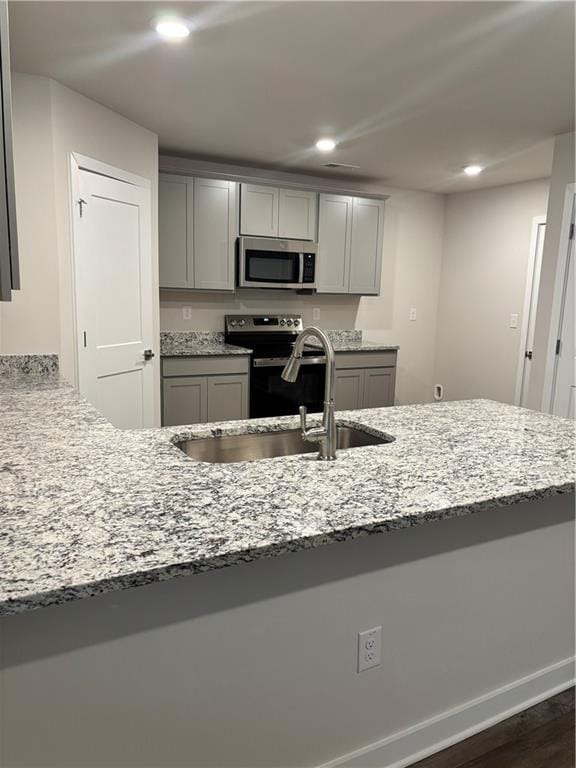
column 540, row 737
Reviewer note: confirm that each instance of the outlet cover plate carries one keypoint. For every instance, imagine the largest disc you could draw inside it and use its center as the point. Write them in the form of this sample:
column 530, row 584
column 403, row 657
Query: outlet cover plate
column 369, row 648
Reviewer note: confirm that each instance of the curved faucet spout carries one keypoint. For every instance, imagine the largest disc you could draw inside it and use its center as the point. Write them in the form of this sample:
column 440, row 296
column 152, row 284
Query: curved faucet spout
column 325, row 435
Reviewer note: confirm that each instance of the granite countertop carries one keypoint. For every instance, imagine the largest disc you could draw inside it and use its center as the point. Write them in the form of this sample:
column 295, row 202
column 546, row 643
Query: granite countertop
column 205, row 343
column 87, row 508
column 353, row 341
column 197, row 344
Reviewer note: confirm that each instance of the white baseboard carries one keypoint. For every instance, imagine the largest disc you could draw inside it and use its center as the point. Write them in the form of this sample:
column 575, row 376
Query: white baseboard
column 430, row 736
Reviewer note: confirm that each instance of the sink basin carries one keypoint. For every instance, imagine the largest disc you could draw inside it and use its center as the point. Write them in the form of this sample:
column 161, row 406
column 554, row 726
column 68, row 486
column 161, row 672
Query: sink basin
column 266, row 445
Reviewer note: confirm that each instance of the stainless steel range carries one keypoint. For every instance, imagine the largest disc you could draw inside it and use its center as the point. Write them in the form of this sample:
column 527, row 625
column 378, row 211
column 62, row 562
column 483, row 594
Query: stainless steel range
column 272, row 337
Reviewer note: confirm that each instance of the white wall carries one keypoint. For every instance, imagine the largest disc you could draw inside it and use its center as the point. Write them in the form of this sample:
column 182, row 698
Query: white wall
column 486, row 249
column 413, row 232
column 254, row 666
column 51, row 122
column 563, row 173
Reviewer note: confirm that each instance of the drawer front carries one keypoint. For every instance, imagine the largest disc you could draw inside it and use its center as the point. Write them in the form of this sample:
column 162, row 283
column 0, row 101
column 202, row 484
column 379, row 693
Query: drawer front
column 365, row 359
column 205, row 366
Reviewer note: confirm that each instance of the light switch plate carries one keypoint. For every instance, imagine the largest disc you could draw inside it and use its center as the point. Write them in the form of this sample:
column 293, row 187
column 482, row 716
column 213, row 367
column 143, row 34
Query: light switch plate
column 513, row 320
column 412, row 314
column 187, row 313
column 316, row 313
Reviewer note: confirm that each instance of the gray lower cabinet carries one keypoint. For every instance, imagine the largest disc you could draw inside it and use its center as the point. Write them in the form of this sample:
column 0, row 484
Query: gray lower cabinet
column 184, row 400
column 349, row 389
column 227, row 398
column 199, row 390
column 369, row 385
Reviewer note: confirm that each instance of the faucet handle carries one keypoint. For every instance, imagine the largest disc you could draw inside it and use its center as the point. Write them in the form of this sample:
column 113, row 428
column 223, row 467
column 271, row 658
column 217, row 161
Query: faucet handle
column 302, row 412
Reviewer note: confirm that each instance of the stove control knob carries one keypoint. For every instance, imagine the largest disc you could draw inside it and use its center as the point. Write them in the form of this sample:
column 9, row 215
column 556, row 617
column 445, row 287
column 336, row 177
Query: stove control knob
column 283, row 322
column 240, row 323
column 232, row 323
column 289, row 321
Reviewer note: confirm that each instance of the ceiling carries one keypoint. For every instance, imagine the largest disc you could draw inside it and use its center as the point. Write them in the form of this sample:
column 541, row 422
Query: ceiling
column 412, row 91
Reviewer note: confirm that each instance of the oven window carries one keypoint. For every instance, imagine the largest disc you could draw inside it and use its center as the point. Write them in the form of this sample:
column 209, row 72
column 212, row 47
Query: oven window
column 270, row 395
column 272, row 267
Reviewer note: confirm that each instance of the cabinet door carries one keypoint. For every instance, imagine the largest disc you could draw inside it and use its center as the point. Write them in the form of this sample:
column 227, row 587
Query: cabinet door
column 184, row 400
column 378, row 387
column 297, row 214
column 214, row 234
column 259, row 210
column 227, row 398
column 349, row 389
column 175, row 236
column 366, row 246
column 334, row 225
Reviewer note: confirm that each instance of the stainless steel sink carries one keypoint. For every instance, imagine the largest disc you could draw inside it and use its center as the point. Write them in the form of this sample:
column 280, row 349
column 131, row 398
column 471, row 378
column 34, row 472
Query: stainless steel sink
column 266, row 445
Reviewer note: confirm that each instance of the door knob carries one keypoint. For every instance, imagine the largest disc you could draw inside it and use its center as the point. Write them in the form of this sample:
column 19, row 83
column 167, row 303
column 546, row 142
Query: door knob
column 148, row 354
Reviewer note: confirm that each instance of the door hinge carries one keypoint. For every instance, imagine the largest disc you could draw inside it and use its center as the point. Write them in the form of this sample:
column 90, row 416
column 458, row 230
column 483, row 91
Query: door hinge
column 528, row 354
column 557, row 346
column 571, row 235
column 81, row 202
column 84, row 336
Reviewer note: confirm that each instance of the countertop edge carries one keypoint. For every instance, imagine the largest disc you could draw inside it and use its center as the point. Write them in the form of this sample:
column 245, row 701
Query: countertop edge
column 179, row 570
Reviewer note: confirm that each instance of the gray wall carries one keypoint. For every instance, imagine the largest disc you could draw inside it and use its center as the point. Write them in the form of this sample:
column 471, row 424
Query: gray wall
column 254, row 666
column 483, row 281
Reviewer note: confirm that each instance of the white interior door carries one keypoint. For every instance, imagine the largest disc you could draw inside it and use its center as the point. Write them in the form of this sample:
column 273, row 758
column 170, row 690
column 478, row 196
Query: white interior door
column 114, row 295
column 563, row 403
column 530, row 305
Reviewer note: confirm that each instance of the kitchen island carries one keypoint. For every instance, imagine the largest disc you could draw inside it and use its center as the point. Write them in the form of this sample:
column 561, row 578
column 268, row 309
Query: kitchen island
column 469, row 605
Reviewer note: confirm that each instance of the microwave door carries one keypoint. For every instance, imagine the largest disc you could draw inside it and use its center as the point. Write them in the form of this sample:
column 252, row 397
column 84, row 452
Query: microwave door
column 272, row 269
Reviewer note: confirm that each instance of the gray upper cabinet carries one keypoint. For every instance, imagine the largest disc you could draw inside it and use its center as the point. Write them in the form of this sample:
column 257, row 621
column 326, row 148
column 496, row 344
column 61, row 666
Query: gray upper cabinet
column 297, row 214
column 273, row 212
column 197, row 232
column 366, row 246
column 9, row 267
column 350, row 241
column 214, row 234
column 259, row 210
column 334, row 229
column 175, row 231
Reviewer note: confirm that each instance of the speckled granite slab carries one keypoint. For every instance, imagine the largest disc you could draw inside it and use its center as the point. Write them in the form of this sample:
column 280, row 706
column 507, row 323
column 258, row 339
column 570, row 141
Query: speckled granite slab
column 86, row 508
column 353, row 341
column 28, row 364
column 197, row 344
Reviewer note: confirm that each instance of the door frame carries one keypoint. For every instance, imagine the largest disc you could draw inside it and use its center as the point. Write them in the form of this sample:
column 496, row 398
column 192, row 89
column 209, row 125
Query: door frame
column 537, row 222
column 78, row 163
column 558, row 299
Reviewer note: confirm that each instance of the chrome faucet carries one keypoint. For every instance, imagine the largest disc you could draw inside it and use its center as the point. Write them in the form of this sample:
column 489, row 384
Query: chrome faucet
column 326, row 435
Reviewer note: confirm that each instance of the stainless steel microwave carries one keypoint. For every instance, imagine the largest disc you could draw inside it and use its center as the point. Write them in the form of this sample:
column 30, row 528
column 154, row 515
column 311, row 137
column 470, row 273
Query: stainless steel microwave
column 271, row 263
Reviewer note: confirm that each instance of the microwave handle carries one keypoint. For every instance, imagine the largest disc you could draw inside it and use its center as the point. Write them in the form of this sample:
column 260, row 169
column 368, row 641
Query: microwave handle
column 301, row 273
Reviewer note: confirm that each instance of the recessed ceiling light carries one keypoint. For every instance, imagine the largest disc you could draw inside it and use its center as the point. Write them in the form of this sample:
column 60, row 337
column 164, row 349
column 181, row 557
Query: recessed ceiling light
column 325, row 145
column 172, row 28
column 473, row 170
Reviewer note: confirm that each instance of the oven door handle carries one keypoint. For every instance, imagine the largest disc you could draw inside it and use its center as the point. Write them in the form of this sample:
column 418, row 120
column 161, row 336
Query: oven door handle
column 276, row 362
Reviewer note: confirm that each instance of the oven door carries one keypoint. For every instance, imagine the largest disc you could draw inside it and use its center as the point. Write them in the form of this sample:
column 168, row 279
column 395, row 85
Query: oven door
column 267, row 263
column 270, row 395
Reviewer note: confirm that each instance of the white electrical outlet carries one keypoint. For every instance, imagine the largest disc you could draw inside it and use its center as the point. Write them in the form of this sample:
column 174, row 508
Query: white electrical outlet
column 412, row 313
column 369, row 648
column 316, row 313
column 513, row 320
column 187, row 313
